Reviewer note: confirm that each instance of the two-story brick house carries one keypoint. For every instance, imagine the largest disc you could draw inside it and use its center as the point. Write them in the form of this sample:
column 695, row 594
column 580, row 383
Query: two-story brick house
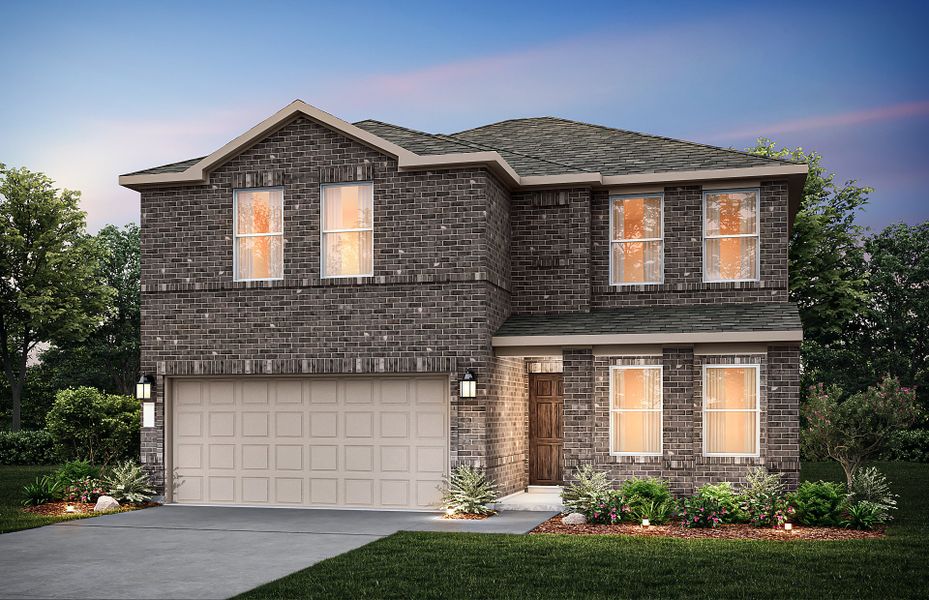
column 314, row 292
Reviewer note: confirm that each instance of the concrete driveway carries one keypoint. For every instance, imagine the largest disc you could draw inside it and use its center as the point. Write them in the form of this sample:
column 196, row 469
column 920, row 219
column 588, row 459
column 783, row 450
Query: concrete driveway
column 202, row 552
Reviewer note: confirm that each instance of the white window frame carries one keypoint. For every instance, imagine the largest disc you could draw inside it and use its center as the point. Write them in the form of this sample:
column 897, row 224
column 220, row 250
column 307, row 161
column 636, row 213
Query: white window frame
column 236, row 235
column 612, row 242
column 756, row 410
column 660, row 410
column 757, row 234
column 323, row 231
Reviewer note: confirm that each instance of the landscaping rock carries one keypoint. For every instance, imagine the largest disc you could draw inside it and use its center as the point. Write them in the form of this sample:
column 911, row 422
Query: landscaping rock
column 106, row 503
column 574, row 519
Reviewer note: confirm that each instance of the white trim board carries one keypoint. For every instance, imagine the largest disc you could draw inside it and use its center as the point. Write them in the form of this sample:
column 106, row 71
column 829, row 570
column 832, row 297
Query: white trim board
column 793, row 335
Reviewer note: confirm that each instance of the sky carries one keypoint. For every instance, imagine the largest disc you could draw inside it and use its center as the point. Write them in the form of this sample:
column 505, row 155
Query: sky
column 90, row 90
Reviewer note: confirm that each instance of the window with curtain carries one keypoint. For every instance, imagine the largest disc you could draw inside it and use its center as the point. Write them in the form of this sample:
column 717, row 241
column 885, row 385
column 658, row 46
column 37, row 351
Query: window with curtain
column 636, row 244
column 347, row 248
column 730, row 411
column 635, row 410
column 259, row 234
column 730, row 231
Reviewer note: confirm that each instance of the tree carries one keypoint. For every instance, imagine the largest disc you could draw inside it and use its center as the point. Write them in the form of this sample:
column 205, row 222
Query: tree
column 897, row 328
column 827, row 275
column 47, row 289
column 108, row 357
column 850, row 430
column 90, row 425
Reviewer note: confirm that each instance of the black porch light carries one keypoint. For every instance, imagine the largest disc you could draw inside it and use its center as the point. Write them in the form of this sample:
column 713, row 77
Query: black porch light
column 468, row 385
column 143, row 389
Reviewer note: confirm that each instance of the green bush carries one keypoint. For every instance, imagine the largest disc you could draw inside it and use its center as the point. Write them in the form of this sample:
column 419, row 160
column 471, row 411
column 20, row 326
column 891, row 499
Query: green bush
column 90, row 425
column 870, row 485
column 127, row 482
column 43, row 489
column 818, row 503
column 27, row 448
column 863, row 515
column 588, row 490
column 609, row 509
column 763, row 498
column 74, row 471
column 909, row 445
column 656, row 511
column 468, row 491
column 728, row 500
column 700, row 512
column 85, row 489
column 640, row 491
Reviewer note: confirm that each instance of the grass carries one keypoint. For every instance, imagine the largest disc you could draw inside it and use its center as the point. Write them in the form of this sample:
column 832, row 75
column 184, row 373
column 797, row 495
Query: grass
column 446, row 565
column 12, row 517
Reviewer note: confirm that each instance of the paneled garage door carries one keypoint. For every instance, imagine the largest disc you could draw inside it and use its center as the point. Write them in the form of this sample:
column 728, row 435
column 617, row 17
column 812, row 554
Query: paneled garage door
column 365, row 442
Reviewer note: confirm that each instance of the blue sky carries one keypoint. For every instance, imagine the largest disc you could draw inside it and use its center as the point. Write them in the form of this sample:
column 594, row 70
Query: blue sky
column 92, row 90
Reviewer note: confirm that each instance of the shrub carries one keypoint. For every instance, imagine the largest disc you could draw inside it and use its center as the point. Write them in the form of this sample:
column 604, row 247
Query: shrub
column 818, row 503
column 700, row 511
column 468, row 490
column 587, row 491
column 870, row 485
column 864, row 515
column 763, row 499
column 90, row 425
column 638, row 491
column 608, row 510
column 728, row 500
column 43, row 489
column 127, row 482
column 656, row 511
column 75, row 470
column 27, row 448
column 910, row 445
column 86, row 489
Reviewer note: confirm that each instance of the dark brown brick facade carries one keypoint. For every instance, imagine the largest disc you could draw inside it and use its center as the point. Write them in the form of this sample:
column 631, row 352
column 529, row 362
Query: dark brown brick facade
column 455, row 254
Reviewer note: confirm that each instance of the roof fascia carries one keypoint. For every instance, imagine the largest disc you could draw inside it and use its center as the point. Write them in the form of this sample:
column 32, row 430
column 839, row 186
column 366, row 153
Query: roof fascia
column 714, row 337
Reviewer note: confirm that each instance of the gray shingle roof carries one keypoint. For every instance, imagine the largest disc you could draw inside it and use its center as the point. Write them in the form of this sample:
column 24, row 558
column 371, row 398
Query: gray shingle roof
column 595, row 148
column 555, row 146
column 177, row 167
column 774, row 316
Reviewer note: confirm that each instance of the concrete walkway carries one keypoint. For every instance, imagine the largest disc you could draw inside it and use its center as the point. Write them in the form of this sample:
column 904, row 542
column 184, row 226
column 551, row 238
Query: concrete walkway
column 202, row 552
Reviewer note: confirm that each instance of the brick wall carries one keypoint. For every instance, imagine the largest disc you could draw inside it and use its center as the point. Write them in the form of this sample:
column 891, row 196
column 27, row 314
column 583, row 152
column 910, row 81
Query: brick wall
column 440, row 285
column 551, row 251
column 508, row 425
column 682, row 462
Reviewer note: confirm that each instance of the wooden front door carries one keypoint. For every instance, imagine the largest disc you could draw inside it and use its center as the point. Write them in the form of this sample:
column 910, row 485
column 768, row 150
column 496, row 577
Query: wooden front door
column 546, row 403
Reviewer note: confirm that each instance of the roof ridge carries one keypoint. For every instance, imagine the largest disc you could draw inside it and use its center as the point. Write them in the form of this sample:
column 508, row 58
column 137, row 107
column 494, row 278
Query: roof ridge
column 663, row 137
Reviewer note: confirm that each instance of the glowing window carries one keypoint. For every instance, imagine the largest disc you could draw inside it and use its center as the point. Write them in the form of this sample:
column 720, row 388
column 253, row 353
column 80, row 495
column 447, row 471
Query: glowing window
column 730, row 411
column 635, row 410
column 636, row 243
column 258, row 252
column 730, row 231
column 347, row 224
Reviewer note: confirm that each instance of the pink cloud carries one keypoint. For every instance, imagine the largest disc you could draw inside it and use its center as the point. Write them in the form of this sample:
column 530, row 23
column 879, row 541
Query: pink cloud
column 844, row 119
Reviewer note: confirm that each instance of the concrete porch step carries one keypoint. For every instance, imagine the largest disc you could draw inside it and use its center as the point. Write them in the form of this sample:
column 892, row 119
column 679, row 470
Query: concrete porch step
column 542, row 498
column 544, row 489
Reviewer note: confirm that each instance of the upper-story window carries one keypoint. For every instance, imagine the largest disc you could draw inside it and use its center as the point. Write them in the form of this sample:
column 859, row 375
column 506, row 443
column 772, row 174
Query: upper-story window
column 258, row 251
column 347, row 229
column 636, row 239
column 730, row 232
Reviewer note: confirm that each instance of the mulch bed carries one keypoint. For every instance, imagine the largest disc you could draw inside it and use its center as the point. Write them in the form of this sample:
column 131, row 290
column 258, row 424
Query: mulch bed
column 468, row 516
column 59, row 509
column 727, row 532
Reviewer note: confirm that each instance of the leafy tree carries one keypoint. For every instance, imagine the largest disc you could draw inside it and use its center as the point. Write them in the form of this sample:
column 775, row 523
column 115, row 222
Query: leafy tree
column 108, row 358
column 897, row 328
column 852, row 429
column 47, row 289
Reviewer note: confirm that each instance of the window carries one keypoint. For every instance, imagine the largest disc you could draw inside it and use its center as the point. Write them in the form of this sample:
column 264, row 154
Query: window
column 347, row 247
column 635, row 410
column 636, row 244
column 258, row 252
column 730, row 232
column 731, row 414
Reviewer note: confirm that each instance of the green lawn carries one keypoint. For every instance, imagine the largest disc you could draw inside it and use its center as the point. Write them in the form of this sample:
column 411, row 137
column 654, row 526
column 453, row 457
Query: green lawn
column 12, row 517
column 444, row 565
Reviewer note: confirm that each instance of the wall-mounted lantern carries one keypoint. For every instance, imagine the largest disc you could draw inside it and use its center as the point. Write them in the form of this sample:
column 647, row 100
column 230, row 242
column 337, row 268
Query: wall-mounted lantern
column 468, row 385
column 143, row 393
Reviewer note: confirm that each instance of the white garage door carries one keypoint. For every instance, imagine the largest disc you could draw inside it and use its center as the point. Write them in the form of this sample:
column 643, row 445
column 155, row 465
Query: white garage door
column 365, row 442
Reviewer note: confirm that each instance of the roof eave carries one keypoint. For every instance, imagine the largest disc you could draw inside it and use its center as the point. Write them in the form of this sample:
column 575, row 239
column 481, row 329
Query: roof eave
column 788, row 335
